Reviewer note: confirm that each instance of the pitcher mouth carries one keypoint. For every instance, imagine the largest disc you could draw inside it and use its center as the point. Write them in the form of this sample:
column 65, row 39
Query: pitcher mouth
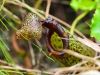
column 51, row 50
column 52, row 26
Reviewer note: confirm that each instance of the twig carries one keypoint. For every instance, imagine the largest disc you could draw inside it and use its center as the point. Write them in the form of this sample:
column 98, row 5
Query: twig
column 19, row 3
column 4, row 63
column 12, row 16
column 25, row 70
column 32, row 53
column 89, row 43
column 87, row 23
column 39, row 44
column 40, row 55
column 48, row 7
column 76, row 69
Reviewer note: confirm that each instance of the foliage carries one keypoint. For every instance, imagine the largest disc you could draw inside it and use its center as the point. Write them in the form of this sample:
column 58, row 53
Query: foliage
column 88, row 5
column 95, row 26
column 83, row 4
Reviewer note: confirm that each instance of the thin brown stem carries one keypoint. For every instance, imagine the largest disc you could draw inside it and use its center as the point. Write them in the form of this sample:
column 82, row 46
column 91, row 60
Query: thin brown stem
column 48, row 7
column 61, row 70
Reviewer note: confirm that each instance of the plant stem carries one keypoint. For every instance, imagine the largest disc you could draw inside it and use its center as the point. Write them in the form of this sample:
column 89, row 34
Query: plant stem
column 2, row 5
column 31, row 9
column 76, row 21
column 17, row 2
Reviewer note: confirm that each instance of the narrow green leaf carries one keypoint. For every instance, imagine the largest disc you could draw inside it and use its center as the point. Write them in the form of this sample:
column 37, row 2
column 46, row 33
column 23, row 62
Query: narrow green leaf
column 8, row 57
column 3, row 32
column 9, row 22
column 1, row 6
column 95, row 26
column 3, row 72
column 4, row 44
column 4, row 24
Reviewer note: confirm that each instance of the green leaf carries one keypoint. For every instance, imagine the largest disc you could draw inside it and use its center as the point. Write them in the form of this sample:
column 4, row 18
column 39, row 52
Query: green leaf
column 83, row 4
column 3, row 24
column 95, row 26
